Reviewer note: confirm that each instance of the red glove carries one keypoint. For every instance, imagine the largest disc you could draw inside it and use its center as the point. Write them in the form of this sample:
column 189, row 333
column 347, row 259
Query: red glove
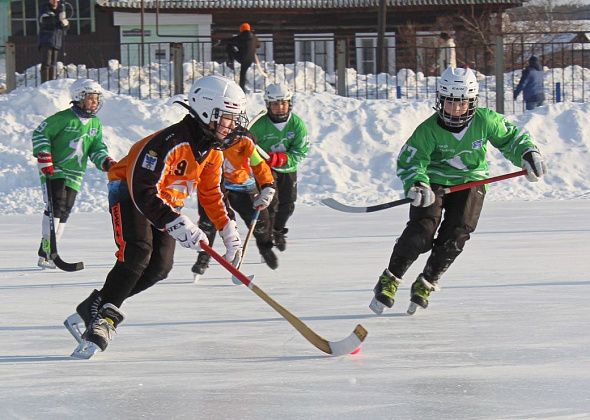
column 277, row 159
column 45, row 163
column 108, row 163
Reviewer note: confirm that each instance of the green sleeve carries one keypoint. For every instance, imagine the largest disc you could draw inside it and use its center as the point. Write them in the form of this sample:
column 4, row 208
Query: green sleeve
column 43, row 134
column 414, row 158
column 98, row 151
column 512, row 141
column 298, row 148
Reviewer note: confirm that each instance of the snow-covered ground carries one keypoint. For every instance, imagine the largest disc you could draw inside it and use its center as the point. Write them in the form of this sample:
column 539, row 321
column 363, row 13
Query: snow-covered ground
column 506, row 338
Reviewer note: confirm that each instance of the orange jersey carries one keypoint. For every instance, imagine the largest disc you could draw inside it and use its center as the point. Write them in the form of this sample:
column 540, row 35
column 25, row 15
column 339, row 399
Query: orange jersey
column 241, row 160
column 164, row 168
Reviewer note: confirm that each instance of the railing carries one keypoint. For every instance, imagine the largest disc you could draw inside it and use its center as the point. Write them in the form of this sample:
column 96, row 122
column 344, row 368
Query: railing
column 411, row 72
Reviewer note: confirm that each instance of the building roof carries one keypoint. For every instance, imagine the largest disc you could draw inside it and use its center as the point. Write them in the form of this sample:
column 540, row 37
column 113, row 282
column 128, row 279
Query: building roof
column 289, row 4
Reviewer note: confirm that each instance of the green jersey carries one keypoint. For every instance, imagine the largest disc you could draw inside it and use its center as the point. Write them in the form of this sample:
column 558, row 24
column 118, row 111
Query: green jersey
column 291, row 139
column 433, row 155
column 71, row 140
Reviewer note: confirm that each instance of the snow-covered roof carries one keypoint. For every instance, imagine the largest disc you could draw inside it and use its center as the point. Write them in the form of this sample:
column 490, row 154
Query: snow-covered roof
column 289, row 4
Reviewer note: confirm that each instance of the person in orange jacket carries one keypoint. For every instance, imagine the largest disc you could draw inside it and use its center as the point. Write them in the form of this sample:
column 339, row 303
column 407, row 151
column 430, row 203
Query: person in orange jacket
column 249, row 186
column 147, row 189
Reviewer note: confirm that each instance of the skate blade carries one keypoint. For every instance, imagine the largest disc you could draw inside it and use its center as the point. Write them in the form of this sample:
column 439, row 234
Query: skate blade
column 73, row 324
column 85, row 350
column 196, row 278
column 46, row 264
column 413, row 308
column 377, row 306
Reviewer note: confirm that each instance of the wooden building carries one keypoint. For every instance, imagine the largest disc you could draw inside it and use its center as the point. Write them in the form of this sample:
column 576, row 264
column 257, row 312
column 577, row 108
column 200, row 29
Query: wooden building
column 290, row 30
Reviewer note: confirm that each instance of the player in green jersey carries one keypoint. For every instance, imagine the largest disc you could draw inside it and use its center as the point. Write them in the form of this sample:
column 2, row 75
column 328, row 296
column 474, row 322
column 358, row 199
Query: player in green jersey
column 282, row 134
column 447, row 149
column 62, row 144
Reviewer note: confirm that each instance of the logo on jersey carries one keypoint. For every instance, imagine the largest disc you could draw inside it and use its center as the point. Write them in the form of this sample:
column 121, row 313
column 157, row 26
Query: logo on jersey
column 149, row 162
column 290, row 135
column 93, row 131
column 477, row 144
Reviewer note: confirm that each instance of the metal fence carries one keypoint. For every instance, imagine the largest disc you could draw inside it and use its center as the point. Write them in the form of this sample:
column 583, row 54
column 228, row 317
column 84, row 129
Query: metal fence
column 158, row 70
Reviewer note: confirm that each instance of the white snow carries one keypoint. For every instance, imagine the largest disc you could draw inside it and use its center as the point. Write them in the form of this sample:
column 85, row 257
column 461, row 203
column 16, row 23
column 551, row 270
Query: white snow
column 506, row 337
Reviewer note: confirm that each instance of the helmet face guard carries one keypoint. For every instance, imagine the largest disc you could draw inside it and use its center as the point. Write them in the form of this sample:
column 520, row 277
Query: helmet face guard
column 451, row 120
column 238, row 124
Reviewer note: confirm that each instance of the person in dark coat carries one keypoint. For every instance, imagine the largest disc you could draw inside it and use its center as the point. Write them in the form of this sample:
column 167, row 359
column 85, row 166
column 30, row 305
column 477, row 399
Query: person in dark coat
column 242, row 48
column 531, row 84
column 53, row 25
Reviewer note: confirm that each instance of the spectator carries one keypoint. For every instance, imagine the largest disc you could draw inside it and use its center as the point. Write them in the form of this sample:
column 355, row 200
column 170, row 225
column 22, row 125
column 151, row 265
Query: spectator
column 531, row 84
column 446, row 53
column 242, row 48
column 52, row 30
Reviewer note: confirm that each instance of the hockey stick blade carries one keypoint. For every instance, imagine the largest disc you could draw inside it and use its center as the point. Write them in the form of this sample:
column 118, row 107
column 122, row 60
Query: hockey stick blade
column 334, row 348
column 336, row 205
column 64, row 266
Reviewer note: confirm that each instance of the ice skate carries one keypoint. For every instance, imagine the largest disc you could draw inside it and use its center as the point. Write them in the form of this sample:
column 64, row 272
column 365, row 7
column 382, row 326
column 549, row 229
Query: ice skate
column 269, row 257
column 280, row 238
column 104, row 325
column 85, row 350
column 46, row 263
column 44, row 250
column 200, row 266
column 385, row 291
column 420, row 293
column 86, row 311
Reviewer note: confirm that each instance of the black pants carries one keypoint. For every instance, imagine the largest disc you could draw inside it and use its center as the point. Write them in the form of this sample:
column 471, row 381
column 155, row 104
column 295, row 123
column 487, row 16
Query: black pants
column 144, row 254
column 283, row 204
column 243, row 71
column 48, row 63
column 461, row 213
column 63, row 199
column 241, row 202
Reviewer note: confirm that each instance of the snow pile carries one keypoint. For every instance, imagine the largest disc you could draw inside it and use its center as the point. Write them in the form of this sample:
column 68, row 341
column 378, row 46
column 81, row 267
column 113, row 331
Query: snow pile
column 354, row 146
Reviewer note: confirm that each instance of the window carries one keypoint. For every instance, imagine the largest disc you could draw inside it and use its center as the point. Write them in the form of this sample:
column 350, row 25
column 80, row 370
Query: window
column 366, row 52
column 264, row 52
column 25, row 16
column 316, row 48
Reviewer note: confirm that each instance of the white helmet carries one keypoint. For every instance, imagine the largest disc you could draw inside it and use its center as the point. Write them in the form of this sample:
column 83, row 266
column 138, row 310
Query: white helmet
column 211, row 97
column 78, row 91
column 278, row 92
column 457, row 85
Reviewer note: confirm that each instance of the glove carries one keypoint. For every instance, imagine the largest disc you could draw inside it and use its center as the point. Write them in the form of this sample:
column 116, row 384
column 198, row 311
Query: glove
column 45, row 163
column 533, row 164
column 62, row 15
column 232, row 242
column 108, row 163
column 186, row 232
column 264, row 198
column 422, row 195
column 277, row 159
column 65, row 22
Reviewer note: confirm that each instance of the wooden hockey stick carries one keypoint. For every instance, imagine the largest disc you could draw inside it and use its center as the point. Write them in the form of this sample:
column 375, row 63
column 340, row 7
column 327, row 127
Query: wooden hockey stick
column 245, row 246
column 334, row 348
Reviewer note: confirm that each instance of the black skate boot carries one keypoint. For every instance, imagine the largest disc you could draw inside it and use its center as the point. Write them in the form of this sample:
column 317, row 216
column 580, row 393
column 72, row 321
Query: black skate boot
column 280, row 236
column 269, row 257
column 85, row 313
column 104, row 325
column 202, row 263
column 420, row 292
column 385, row 291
